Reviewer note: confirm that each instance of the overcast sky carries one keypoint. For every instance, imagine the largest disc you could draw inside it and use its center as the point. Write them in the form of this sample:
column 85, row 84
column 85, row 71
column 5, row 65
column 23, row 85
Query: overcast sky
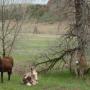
column 28, row 1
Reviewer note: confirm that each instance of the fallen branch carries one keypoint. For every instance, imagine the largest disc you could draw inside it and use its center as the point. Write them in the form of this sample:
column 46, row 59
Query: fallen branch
column 55, row 60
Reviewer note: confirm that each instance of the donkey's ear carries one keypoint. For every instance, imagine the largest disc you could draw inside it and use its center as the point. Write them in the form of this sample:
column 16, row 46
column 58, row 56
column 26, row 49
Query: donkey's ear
column 0, row 57
column 32, row 67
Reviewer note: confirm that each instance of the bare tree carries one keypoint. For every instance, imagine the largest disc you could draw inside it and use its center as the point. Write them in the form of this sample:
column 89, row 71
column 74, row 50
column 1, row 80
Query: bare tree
column 10, row 26
column 81, row 30
column 78, row 33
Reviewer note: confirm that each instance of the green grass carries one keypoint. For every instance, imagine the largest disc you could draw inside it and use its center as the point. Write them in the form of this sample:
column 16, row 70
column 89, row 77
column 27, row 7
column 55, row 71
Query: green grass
column 49, row 81
column 27, row 48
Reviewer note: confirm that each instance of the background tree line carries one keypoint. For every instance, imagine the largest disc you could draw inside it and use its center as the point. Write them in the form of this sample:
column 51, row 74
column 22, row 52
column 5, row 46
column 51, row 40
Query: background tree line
column 53, row 11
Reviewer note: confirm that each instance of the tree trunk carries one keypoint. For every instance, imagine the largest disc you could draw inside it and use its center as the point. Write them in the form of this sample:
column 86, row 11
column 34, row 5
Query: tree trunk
column 80, row 31
column 2, row 31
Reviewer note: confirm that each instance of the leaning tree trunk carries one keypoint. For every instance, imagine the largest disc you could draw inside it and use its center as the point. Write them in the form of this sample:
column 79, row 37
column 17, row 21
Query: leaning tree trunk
column 81, row 32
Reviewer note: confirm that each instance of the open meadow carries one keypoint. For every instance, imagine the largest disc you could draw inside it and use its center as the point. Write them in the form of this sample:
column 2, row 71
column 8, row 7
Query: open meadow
column 44, row 44
column 26, row 50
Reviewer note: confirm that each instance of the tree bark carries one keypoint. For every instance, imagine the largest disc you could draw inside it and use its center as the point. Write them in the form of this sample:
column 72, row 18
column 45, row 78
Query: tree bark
column 80, row 31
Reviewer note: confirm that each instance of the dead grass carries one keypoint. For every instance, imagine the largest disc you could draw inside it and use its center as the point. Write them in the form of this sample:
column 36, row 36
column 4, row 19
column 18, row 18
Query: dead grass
column 46, row 28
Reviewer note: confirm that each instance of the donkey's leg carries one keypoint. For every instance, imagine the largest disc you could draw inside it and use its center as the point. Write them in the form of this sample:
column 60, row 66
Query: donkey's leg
column 1, row 77
column 9, row 75
column 76, row 72
column 82, row 73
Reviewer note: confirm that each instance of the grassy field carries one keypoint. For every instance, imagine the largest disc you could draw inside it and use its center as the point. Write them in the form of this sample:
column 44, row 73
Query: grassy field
column 50, row 81
column 27, row 48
